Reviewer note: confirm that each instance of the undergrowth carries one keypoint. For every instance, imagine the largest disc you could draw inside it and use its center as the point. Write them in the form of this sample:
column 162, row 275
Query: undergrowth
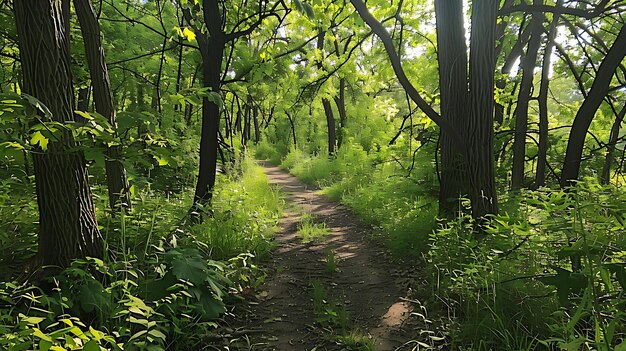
column 164, row 276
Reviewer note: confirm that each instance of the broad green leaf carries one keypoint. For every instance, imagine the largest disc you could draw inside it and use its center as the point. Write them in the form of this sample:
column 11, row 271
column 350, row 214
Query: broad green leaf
column 38, row 333
column 37, row 138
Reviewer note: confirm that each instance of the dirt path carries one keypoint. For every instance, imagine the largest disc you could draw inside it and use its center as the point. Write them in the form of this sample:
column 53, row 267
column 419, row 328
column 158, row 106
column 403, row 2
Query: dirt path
column 286, row 314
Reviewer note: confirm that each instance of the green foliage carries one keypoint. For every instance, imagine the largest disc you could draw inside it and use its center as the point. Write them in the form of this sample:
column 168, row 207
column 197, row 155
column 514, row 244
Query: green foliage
column 551, row 274
column 327, row 312
column 311, row 229
column 167, row 278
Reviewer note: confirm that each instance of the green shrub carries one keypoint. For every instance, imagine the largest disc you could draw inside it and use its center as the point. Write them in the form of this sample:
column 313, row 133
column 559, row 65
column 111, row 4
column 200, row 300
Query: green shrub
column 551, row 274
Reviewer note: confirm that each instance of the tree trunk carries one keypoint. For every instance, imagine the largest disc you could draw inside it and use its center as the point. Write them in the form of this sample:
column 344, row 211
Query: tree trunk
column 452, row 57
column 257, row 131
column 83, row 99
column 328, row 110
column 340, row 101
column 245, row 136
column 330, row 122
column 67, row 220
column 117, row 181
column 212, row 46
column 586, row 112
column 605, row 176
column 528, row 63
column 293, row 130
column 542, row 149
column 480, row 127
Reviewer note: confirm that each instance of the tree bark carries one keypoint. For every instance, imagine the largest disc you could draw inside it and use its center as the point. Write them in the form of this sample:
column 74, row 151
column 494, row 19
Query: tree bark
column 67, row 220
column 330, row 122
column 528, row 63
column 452, row 58
column 212, row 45
column 542, row 149
column 480, row 159
column 588, row 109
column 117, row 182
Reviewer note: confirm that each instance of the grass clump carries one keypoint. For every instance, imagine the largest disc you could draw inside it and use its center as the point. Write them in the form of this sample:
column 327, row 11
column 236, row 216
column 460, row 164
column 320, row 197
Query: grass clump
column 311, row 228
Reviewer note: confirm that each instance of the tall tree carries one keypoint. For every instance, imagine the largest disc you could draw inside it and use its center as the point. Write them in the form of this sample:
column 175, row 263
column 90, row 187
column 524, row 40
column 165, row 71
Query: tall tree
column 589, row 107
column 209, row 19
column 328, row 109
column 482, row 64
column 542, row 148
column 117, row 181
column 67, row 220
column 475, row 137
column 452, row 57
column 528, row 64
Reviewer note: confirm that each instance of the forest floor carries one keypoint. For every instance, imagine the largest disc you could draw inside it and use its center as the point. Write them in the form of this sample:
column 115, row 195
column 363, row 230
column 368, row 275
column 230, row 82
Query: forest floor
column 341, row 291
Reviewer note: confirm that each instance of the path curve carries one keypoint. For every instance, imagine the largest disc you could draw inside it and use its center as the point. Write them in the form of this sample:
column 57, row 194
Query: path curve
column 364, row 283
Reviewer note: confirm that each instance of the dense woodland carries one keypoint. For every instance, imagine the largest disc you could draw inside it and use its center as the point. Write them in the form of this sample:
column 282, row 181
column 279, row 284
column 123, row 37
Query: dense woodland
column 480, row 140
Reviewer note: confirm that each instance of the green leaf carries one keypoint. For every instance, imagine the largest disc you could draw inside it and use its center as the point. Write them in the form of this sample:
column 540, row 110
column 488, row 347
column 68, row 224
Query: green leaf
column 11, row 149
column 30, row 320
column 91, row 345
column 161, row 160
column 308, row 10
column 566, row 283
column 38, row 105
column 157, row 334
column 39, row 334
column 95, row 155
column 37, row 138
column 210, row 308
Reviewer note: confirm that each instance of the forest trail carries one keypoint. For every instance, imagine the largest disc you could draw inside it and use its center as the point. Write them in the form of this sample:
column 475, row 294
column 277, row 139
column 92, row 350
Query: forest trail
column 364, row 283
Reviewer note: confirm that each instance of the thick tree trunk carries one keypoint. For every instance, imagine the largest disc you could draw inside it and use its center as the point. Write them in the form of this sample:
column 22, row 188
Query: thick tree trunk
column 586, row 112
column 542, row 149
column 528, row 64
column 480, row 127
column 452, row 57
column 67, row 221
column 117, row 181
